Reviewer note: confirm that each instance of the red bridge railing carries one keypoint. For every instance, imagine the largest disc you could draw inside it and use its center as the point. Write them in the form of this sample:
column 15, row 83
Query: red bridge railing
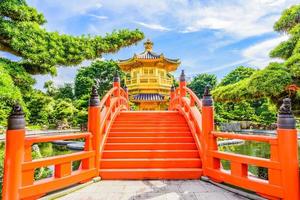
column 19, row 183
column 283, row 170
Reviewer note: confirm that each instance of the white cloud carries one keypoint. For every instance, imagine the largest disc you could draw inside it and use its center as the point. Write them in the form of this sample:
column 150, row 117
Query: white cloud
column 153, row 26
column 225, row 66
column 258, row 54
column 101, row 17
column 67, row 8
column 239, row 18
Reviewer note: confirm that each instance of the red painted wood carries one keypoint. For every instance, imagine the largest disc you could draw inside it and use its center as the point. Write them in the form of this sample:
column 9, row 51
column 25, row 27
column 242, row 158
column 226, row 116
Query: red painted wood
column 151, row 154
column 138, row 174
column 150, row 145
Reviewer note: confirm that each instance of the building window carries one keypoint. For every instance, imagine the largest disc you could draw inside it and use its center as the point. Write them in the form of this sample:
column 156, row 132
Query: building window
column 146, row 71
column 151, row 71
column 161, row 73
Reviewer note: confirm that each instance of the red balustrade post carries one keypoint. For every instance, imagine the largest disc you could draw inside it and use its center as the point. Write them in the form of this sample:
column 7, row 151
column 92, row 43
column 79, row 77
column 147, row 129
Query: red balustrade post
column 172, row 96
column 116, row 83
column 14, row 154
column 172, row 93
column 210, row 142
column 94, row 112
column 126, row 92
column 127, row 95
column 288, row 150
column 182, row 84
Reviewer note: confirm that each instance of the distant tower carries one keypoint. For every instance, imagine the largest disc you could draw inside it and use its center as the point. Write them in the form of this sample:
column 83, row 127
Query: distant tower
column 149, row 82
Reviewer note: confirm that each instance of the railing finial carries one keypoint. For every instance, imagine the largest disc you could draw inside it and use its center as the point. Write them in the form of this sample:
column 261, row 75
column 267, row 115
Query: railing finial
column 126, row 88
column 207, row 90
column 207, row 98
column 94, row 99
column 285, row 118
column 116, row 77
column 182, row 76
column 16, row 119
column 172, row 88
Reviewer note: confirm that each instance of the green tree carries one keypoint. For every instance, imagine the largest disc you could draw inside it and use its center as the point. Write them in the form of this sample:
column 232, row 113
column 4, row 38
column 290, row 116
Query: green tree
column 269, row 82
column 51, row 90
column 41, row 107
column 40, row 52
column 9, row 94
column 257, row 110
column 199, row 82
column 64, row 112
column 237, row 75
column 65, row 92
column 23, row 35
column 272, row 81
column 100, row 73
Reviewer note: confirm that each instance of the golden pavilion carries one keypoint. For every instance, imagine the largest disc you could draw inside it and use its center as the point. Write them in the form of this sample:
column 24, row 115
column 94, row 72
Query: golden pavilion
column 148, row 79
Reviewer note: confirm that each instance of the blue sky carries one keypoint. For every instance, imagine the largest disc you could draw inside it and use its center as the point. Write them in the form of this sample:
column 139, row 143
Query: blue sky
column 208, row 36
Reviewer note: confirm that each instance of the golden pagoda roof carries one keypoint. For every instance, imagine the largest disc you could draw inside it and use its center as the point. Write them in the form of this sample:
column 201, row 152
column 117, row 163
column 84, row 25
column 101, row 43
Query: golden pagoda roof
column 148, row 56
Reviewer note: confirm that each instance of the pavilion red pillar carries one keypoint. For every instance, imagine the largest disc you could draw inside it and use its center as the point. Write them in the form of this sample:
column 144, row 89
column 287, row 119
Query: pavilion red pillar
column 14, row 154
column 288, row 150
column 210, row 142
column 94, row 111
column 182, row 84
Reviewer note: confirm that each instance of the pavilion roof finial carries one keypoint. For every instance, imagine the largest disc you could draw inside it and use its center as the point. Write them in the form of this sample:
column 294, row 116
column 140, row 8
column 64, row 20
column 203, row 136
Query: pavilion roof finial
column 148, row 45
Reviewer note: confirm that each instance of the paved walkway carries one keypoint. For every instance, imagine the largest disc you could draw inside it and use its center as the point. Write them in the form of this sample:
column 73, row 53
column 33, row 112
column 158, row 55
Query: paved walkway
column 152, row 190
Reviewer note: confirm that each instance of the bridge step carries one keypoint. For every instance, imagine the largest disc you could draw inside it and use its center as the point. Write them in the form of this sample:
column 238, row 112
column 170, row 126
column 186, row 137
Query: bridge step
column 148, row 124
column 151, row 154
column 146, row 129
column 150, row 145
column 138, row 174
column 150, row 140
column 150, row 163
column 150, row 134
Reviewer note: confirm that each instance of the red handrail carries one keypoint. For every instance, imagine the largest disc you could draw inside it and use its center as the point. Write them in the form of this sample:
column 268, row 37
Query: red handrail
column 283, row 171
column 19, row 167
column 190, row 107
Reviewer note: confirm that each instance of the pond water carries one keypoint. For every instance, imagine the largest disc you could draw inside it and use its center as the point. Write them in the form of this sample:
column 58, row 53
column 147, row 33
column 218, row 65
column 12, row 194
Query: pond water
column 250, row 148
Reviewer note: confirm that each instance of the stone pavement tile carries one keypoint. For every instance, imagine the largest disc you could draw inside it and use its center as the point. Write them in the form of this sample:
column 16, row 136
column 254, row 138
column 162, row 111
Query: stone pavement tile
column 212, row 196
column 85, row 196
column 158, row 196
column 192, row 186
column 188, row 196
column 161, row 186
column 233, row 196
column 152, row 190
column 211, row 187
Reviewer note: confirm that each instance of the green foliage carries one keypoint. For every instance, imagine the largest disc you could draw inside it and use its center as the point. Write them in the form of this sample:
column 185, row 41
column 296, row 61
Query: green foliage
column 51, row 90
column 200, row 81
column 41, row 107
column 22, row 34
column 242, row 111
column 289, row 50
column 236, row 75
column 269, row 82
column 41, row 51
column 64, row 112
column 272, row 81
column 65, row 92
column 289, row 18
column 9, row 94
column 102, row 71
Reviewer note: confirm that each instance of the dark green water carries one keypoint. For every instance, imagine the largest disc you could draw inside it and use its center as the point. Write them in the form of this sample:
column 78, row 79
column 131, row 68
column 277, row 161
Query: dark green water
column 249, row 148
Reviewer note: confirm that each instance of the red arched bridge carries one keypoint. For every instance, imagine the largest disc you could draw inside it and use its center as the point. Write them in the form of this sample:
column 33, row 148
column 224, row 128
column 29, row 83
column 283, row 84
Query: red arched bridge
column 180, row 143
